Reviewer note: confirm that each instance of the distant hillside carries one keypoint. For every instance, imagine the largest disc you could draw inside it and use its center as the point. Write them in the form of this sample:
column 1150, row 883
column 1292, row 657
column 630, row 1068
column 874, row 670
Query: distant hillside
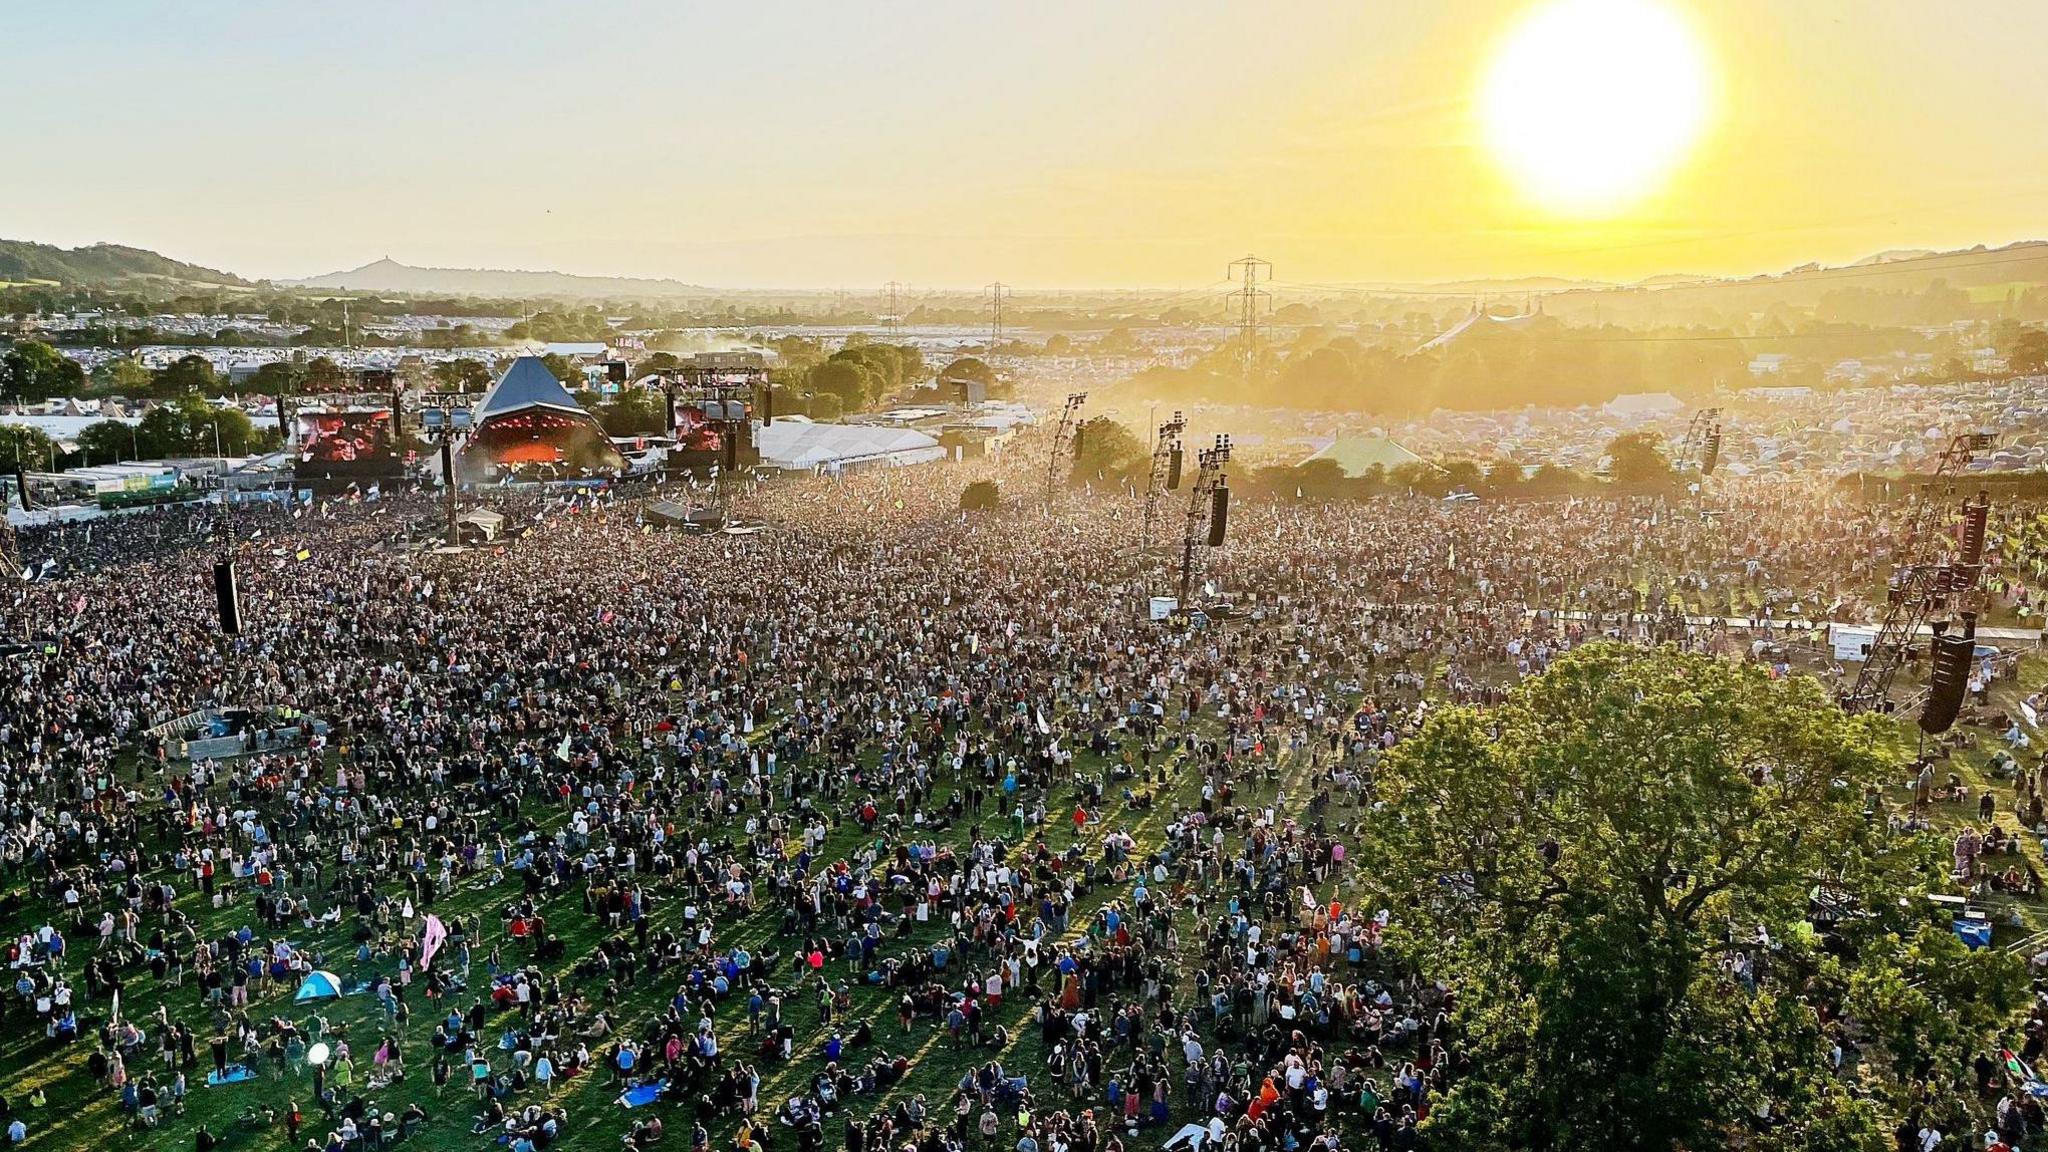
column 389, row 275
column 100, row 263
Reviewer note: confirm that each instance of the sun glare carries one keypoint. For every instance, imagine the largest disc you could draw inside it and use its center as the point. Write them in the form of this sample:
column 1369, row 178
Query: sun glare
column 1589, row 104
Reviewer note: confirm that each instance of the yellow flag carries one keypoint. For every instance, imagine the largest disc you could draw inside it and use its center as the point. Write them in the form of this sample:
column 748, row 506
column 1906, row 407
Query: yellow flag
column 305, row 554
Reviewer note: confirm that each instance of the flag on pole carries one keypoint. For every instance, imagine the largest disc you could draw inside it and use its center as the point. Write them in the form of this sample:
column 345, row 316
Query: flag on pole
column 430, row 941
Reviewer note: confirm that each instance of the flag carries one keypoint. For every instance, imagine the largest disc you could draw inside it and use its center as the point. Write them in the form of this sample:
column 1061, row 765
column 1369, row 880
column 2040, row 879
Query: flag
column 430, row 941
column 562, row 751
column 305, row 554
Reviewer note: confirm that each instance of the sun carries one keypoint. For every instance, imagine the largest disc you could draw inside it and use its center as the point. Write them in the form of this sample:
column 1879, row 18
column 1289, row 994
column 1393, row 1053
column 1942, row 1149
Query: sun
column 1589, row 104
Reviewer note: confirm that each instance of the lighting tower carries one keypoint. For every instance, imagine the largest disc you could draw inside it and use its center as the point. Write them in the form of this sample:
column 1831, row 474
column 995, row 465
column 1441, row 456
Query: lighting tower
column 1205, row 505
column 1166, row 462
column 1062, row 434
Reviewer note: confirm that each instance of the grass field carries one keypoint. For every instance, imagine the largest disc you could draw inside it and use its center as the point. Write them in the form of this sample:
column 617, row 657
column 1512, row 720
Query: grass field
column 84, row 1114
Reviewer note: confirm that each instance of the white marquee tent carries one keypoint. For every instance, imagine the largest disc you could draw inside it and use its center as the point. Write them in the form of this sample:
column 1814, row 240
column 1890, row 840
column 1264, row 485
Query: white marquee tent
column 793, row 442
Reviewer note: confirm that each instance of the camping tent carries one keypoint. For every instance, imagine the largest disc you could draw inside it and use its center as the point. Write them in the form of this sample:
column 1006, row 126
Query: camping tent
column 318, row 986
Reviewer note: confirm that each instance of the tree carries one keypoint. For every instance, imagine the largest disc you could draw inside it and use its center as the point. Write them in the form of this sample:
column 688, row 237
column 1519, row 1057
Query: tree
column 1106, row 448
column 658, row 362
column 187, row 426
column 980, row 496
column 464, row 375
column 187, row 375
column 21, row 444
column 968, row 368
column 33, row 371
column 850, row 381
column 2028, row 355
column 1636, row 459
column 110, row 440
column 563, row 369
column 634, row 412
column 324, row 375
column 123, row 376
column 1614, row 871
column 277, row 378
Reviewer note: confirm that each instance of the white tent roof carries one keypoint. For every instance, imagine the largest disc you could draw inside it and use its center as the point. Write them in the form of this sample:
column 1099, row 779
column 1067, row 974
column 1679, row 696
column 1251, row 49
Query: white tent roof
column 1643, row 402
column 794, row 444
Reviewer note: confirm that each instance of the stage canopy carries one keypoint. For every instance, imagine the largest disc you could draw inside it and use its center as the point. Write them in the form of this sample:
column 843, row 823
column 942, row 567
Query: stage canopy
column 529, row 422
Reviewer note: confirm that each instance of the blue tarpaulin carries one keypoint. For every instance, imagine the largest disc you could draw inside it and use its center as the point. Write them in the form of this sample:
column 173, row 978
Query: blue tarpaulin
column 641, row 1094
column 1974, row 933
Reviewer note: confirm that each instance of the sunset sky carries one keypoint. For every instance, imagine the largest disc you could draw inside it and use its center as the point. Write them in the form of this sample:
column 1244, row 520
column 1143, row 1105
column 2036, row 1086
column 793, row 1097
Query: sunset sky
column 1049, row 144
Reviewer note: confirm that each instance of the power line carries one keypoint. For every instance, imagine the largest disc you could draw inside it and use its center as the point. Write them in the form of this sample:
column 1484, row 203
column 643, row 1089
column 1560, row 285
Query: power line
column 1249, row 300
column 893, row 293
column 997, row 293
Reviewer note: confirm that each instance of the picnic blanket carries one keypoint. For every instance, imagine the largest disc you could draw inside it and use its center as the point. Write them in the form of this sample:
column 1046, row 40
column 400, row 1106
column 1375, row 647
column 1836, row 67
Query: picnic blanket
column 235, row 1074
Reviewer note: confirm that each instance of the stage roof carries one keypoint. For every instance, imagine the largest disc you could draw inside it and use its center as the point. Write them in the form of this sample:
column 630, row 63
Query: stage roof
column 526, row 384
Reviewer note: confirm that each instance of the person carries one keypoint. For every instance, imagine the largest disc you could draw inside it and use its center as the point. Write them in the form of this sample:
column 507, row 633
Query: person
column 203, row 1140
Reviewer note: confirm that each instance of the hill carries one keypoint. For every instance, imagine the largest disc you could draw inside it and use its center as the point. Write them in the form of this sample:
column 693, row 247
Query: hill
column 388, row 275
column 24, row 260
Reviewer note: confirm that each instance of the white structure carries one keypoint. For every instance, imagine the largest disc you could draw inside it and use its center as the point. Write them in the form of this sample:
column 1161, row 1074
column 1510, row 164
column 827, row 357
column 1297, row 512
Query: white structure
column 1644, row 404
column 794, row 442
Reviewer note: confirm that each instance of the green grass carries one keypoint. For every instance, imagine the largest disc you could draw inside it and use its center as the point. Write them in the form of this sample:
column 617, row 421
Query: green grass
column 83, row 1114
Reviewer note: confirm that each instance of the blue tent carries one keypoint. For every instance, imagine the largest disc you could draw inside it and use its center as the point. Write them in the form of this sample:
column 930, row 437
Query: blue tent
column 318, row 986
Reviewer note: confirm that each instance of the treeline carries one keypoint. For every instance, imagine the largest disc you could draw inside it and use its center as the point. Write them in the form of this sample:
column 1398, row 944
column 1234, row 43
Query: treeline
column 1106, row 452
column 1539, row 361
column 32, row 372
column 185, row 427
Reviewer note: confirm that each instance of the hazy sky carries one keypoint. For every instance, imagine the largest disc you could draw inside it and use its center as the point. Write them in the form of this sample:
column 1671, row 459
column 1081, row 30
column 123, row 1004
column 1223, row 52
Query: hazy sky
column 841, row 143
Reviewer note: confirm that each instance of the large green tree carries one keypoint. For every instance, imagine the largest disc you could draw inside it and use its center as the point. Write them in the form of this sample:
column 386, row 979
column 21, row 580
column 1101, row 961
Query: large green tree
column 2029, row 353
column 103, row 441
column 1636, row 459
column 1614, row 872
column 21, row 444
column 1106, row 449
column 33, row 371
column 463, row 375
column 188, row 426
column 190, row 375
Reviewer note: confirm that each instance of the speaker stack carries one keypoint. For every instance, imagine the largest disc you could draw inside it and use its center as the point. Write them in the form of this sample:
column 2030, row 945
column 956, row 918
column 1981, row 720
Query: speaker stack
column 1219, row 515
column 1173, row 459
column 227, row 595
column 1950, row 676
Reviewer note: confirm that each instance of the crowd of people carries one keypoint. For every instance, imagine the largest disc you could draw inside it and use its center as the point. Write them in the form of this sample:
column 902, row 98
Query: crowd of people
column 764, row 832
